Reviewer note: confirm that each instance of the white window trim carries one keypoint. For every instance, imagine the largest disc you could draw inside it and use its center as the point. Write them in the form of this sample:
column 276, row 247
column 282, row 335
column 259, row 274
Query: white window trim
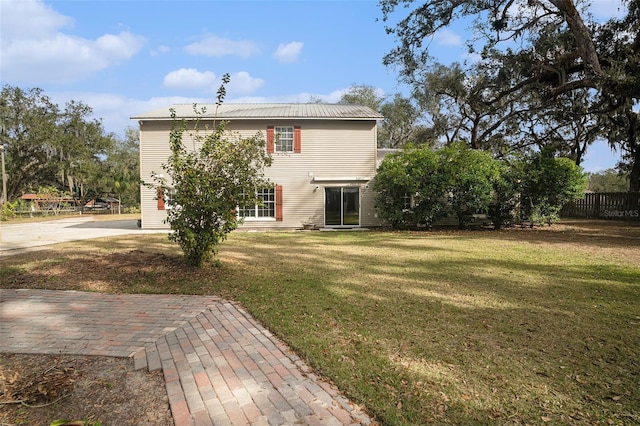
column 260, row 218
column 168, row 199
column 276, row 136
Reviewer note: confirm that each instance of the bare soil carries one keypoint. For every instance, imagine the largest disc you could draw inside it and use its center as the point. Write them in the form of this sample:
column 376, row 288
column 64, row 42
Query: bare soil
column 40, row 389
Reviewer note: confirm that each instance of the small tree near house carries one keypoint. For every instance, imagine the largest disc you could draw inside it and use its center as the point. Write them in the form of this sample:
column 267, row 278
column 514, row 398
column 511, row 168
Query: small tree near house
column 209, row 181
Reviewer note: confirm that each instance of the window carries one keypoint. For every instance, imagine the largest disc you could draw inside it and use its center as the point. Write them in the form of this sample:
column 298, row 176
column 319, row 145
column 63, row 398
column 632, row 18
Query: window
column 407, row 202
column 165, row 197
column 169, row 197
column 284, row 139
column 266, row 210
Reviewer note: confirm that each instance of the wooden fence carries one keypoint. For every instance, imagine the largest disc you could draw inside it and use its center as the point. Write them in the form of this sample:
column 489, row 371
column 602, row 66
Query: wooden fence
column 605, row 205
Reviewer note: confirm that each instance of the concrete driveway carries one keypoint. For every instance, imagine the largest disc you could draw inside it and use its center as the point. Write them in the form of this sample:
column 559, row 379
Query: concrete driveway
column 28, row 236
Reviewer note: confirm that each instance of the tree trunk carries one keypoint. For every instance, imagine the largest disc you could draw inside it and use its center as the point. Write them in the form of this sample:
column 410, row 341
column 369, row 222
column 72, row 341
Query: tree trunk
column 634, row 176
column 634, row 150
column 582, row 35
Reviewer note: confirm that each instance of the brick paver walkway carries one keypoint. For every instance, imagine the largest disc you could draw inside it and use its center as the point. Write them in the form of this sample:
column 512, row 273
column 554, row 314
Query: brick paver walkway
column 221, row 367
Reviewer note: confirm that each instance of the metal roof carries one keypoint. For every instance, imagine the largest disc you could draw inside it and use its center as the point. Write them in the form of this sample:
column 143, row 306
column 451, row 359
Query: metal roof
column 265, row 111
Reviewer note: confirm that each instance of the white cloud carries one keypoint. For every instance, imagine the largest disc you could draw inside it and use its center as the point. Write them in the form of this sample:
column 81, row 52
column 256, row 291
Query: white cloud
column 335, row 96
column 242, row 82
column 120, row 46
column 30, row 18
column 160, row 50
column 289, row 52
column 217, row 46
column 35, row 50
column 446, row 37
column 207, row 82
column 190, row 79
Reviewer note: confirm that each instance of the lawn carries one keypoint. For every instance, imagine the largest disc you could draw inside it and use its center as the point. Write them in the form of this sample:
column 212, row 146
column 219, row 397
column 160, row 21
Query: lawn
column 515, row 327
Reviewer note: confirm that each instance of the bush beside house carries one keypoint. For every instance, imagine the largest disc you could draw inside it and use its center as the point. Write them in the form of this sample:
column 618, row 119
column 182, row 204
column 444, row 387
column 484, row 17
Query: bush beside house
column 417, row 187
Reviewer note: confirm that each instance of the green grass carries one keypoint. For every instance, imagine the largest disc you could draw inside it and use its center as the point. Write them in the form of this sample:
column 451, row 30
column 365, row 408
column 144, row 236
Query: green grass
column 458, row 329
column 513, row 327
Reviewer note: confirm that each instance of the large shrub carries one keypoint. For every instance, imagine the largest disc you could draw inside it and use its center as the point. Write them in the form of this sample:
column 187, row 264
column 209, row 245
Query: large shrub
column 417, row 186
column 548, row 183
column 207, row 184
column 410, row 188
column 469, row 179
column 506, row 195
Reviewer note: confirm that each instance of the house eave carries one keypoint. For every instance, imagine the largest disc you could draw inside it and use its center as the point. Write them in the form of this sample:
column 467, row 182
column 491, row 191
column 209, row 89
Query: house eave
column 338, row 179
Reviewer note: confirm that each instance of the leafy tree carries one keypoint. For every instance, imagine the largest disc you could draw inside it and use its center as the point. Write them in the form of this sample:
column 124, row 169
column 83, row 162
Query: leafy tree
column 496, row 23
column 362, row 94
column 31, row 136
column 394, row 188
column 314, row 100
column 417, row 186
column 81, row 152
column 607, row 181
column 497, row 104
column 123, row 169
column 470, row 176
column 423, row 135
column 631, row 151
column 622, row 126
column 49, row 147
column 569, row 128
column 463, row 105
column 547, row 70
column 209, row 183
column 399, row 125
column 409, row 187
column 548, row 183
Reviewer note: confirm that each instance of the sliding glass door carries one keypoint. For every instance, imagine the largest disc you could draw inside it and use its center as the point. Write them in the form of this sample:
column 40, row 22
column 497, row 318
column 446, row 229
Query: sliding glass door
column 342, row 206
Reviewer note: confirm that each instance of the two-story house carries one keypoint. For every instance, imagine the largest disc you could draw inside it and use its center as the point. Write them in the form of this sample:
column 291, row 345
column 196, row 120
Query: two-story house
column 324, row 160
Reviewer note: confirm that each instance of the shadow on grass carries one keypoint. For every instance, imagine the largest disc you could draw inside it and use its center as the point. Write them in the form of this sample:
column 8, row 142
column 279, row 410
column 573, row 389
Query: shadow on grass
column 465, row 328
column 446, row 326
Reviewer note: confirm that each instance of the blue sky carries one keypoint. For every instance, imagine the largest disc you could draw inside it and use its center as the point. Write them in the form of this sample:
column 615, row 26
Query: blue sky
column 126, row 57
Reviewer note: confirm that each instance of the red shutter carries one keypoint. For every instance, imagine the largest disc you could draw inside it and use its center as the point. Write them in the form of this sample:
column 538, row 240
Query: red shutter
column 160, row 196
column 270, row 140
column 279, row 203
column 297, row 146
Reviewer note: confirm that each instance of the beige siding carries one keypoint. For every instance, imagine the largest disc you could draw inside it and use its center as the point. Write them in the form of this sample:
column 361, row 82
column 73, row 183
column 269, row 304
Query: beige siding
column 154, row 151
column 368, row 215
column 330, row 149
